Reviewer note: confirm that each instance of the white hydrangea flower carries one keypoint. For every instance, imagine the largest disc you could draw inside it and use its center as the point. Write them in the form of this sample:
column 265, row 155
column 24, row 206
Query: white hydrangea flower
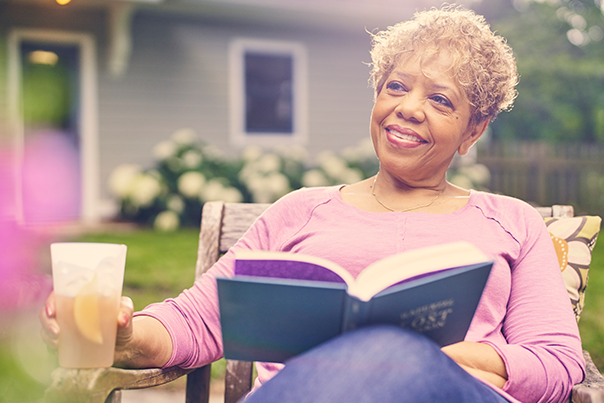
column 145, row 189
column 121, row 179
column 175, row 203
column 164, row 150
column 350, row 175
column 277, row 184
column 366, row 148
column 190, row 184
column 267, row 189
column 333, row 165
column 184, row 136
column 213, row 152
column 314, row 178
column 254, row 181
column 268, row 163
column 232, row 195
column 256, row 185
column 215, row 190
column 360, row 152
column 211, row 191
column 352, row 153
column 192, row 159
column 294, row 152
column 248, row 171
column 262, row 196
column 251, row 153
column 166, row 221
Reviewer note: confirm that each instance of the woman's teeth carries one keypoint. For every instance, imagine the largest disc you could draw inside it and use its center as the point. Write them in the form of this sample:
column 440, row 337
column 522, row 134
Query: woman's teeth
column 404, row 136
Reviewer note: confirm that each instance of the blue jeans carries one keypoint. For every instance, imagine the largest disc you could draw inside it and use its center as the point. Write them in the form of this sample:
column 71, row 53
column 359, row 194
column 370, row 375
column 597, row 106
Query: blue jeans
column 374, row 364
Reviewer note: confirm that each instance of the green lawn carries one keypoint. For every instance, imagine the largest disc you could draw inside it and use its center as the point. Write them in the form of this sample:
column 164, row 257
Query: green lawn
column 591, row 324
column 158, row 264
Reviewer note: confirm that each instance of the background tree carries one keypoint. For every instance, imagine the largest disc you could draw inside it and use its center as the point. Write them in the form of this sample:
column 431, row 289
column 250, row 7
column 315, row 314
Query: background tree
column 559, row 50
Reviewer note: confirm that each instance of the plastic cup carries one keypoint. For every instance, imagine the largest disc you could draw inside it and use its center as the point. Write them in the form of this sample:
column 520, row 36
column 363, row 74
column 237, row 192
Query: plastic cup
column 87, row 280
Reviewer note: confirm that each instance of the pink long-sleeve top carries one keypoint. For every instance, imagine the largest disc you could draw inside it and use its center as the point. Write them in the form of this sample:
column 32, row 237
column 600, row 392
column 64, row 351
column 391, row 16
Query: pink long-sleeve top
column 524, row 313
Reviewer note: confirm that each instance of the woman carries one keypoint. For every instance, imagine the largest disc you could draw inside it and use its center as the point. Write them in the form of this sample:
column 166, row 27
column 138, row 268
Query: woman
column 439, row 80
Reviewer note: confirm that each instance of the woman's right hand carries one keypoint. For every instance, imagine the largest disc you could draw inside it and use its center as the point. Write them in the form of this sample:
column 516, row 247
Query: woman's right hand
column 50, row 326
column 147, row 346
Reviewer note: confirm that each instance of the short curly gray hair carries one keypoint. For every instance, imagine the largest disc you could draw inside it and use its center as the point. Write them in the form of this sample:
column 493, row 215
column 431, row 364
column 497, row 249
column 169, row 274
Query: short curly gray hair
column 483, row 64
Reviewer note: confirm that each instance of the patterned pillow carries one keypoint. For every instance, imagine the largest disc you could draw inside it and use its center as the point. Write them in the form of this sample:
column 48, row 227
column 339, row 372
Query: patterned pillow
column 574, row 239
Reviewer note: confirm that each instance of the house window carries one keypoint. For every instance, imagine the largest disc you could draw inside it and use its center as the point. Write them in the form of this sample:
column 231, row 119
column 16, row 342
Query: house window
column 268, row 92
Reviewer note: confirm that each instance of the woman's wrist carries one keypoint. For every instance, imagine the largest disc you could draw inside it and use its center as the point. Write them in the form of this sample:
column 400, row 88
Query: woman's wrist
column 481, row 357
column 147, row 346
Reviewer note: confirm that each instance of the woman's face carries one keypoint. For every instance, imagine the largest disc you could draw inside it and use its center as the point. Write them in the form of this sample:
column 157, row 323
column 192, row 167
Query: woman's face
column 420, row 118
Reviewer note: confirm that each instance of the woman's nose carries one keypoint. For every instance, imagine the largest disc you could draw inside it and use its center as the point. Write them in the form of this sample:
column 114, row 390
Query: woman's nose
column 410, row 107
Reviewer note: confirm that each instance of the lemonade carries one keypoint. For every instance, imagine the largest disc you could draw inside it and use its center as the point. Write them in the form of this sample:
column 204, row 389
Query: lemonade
column 88, row 332
column 87, row 281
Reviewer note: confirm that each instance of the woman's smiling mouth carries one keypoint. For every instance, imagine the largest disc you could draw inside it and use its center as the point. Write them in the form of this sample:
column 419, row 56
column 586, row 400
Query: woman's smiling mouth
column 406, row 135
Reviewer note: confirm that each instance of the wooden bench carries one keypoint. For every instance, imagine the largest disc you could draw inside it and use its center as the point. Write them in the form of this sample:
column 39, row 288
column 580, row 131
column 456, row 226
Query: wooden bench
column 221, row 226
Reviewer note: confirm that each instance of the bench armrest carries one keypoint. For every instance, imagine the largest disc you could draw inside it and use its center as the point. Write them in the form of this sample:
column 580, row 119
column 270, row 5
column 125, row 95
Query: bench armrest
column 95, row 385
column 591, row 390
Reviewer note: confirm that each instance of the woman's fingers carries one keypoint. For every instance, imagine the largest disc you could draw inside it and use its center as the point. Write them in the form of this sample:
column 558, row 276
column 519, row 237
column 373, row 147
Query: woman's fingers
column 124, row 322
column 50, row 326
column 126, row 311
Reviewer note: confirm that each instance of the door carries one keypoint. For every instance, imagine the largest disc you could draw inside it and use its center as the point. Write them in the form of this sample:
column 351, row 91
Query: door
column 50, row 109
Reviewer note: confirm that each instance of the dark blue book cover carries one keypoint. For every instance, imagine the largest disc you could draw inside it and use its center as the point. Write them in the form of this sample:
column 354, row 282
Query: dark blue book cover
column 268, row 317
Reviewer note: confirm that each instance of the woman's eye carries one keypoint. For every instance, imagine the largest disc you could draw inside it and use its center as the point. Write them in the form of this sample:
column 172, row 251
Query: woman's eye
column 442, row 100
column 395, row 86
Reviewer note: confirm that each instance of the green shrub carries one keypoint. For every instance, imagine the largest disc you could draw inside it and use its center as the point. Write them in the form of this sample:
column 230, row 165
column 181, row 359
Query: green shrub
column 187, row 173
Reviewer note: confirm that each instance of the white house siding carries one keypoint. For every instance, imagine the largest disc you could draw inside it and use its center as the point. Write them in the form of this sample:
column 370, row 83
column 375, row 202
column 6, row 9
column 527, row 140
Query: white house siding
column 178, row 77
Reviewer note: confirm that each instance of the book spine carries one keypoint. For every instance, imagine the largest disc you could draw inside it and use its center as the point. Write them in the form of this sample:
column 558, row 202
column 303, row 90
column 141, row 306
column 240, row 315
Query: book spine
column 356, row 314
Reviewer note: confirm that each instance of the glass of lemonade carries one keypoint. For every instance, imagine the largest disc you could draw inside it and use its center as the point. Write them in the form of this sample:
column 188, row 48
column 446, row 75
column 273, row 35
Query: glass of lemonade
column 87, row 280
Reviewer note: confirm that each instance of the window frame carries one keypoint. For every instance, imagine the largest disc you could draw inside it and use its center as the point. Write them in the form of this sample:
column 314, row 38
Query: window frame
column 297, row 51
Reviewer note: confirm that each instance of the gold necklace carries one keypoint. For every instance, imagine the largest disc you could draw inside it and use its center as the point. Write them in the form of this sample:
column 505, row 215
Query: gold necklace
column 407, row 209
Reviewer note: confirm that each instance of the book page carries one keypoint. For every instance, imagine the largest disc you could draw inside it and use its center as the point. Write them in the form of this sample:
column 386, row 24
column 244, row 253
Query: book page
column 394, row 269
column 290, row 266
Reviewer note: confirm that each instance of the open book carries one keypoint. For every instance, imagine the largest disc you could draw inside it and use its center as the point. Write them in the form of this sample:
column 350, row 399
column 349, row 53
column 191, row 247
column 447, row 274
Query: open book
column 281, row 304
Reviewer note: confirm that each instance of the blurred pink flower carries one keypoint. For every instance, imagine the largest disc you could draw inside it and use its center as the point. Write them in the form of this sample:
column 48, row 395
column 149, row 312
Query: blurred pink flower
column 50, row 195
column 51, row 179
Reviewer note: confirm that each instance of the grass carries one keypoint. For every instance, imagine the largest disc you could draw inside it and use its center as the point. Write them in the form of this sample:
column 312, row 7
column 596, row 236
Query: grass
column 591, row 324
column 158, row 265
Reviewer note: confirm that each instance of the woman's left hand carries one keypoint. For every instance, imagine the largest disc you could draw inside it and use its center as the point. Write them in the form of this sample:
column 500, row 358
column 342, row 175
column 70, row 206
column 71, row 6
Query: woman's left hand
column 480, row 360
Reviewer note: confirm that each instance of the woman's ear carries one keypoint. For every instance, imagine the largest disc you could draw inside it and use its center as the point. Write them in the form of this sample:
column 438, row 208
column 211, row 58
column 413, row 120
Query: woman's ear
column 472, row 136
